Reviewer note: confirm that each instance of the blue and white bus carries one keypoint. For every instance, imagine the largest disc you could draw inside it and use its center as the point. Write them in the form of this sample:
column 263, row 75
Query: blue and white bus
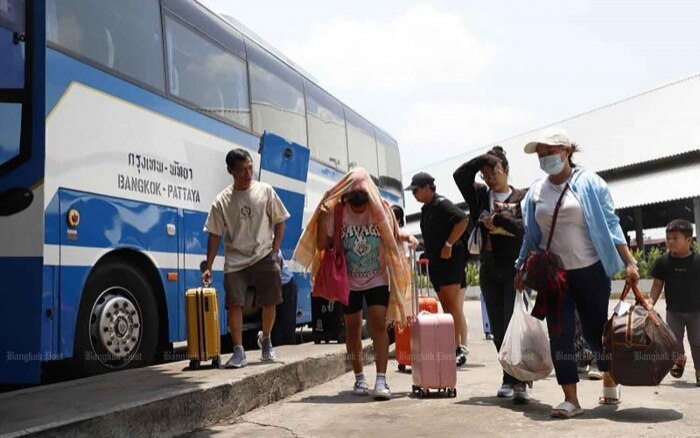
column 115, row 117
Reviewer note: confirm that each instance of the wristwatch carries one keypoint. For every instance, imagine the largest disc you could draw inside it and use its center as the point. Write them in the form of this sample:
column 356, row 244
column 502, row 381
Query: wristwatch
column 448, row 244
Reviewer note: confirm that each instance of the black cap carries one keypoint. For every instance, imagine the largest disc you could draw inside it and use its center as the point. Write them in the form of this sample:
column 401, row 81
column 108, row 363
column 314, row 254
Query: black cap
column 420, row 179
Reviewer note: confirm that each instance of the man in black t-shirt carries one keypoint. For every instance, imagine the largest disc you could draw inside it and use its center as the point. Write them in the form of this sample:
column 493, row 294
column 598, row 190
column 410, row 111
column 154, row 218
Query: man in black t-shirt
column 678, row 273
column 442, row 224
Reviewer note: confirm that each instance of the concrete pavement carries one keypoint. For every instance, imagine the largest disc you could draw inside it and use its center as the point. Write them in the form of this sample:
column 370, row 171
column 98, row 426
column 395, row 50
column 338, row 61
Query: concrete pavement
column 168, row 399
column 330, row 410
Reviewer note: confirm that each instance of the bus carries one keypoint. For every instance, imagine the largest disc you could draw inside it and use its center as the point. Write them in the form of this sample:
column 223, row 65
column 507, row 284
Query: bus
column 115, row 118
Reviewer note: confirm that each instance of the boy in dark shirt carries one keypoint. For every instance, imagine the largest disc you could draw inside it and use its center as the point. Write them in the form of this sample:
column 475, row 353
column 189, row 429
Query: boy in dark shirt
column 678, row 273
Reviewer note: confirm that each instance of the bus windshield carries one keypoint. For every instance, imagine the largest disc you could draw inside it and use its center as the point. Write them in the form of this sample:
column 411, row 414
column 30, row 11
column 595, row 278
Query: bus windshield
column 12, row 64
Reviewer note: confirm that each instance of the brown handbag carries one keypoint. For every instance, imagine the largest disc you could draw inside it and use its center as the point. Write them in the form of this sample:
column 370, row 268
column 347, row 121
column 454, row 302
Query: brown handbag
column 639, row 345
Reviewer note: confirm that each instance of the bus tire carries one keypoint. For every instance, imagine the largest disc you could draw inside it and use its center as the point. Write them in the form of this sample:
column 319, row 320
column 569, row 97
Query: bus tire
column 118, row 324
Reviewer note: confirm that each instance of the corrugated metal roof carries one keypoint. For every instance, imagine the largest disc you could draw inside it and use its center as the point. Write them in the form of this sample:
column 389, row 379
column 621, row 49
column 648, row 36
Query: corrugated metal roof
column 668, row 185
column 691, row 154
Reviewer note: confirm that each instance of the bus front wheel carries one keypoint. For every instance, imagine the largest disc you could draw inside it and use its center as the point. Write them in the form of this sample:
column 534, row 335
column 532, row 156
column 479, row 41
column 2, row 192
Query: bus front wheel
column 117, row 326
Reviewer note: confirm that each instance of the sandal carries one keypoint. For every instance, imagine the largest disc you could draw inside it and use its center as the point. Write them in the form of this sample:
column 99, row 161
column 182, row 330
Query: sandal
column 566, row 410
column 594, row 374
column 678, row 368
column 611, row 395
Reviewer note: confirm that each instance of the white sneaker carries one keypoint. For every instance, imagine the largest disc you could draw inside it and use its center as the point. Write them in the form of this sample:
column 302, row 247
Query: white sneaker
column 360, row 388
column 381, row 390
column 237, row 359
column 267, row 352
column 505, row 391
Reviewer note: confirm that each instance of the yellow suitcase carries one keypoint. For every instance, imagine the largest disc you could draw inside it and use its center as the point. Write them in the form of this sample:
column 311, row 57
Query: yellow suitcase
column 203, row 337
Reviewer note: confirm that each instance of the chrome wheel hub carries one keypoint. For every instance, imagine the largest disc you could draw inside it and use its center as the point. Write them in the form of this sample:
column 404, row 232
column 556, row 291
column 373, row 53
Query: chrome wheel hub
column 115, row 324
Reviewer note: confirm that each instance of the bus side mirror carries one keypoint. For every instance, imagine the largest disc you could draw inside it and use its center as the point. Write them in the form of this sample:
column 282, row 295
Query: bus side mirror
column 14, row 200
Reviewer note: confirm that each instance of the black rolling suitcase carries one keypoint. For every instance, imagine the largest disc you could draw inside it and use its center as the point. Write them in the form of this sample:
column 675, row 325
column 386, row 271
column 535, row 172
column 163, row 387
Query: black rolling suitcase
column 327, row 321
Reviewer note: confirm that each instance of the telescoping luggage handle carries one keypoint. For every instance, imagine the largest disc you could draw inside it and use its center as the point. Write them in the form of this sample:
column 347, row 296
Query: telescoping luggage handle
column 416, row 266
column 424, row 264
column 205, row 284
column 414, row 284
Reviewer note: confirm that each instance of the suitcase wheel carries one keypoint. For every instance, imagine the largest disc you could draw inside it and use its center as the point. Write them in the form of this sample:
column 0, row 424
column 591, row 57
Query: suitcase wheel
column 451, row 392
column 194, row 364
column 414, row 389
column 402, row 367
column 216, row 362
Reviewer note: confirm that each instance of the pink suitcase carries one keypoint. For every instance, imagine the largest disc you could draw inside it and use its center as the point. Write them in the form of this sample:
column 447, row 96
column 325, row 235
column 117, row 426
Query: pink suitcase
column 433, row 354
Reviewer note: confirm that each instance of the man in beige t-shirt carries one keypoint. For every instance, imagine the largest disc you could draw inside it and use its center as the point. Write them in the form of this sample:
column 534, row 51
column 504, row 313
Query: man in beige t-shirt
column 250, row 217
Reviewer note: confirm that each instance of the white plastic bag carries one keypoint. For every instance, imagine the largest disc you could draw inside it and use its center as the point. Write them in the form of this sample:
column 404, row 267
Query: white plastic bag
column 525, row 352
column 475, row 241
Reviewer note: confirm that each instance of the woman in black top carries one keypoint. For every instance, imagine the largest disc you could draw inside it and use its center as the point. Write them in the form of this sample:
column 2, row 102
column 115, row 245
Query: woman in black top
column 495, row 209
column 442, row 224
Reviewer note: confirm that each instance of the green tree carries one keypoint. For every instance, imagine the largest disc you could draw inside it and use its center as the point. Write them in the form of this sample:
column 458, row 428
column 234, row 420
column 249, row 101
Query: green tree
column 472, row 274
column 652, row 257
column 642, row 264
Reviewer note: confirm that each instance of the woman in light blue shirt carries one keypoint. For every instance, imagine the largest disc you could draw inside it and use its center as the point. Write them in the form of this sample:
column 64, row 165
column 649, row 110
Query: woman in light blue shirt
column 592, row 247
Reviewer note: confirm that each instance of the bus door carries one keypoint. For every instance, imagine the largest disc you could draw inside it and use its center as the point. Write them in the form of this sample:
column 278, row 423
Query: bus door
column 285, row 167
column 26, row 315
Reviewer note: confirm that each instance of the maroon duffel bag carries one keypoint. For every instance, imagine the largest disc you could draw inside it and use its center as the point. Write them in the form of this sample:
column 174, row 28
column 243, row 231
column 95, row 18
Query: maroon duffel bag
column 640, row 346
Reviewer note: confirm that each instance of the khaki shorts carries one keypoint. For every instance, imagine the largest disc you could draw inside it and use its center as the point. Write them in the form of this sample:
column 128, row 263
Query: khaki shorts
column 263, row 275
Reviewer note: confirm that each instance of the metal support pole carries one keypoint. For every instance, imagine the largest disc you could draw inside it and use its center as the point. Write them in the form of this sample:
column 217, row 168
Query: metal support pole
column 696, row 214
column 639, row 228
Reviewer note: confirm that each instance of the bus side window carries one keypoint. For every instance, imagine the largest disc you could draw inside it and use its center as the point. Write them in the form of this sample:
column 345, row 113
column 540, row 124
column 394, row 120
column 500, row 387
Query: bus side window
column 11, row 85
column 326, row 123
column 206, row 75
column 10, row 130
column 277, row 96
column 110, row 48
column 123, row 36
column 362, row 146
column 12, row 15
column 174, row 81
column 389, row 162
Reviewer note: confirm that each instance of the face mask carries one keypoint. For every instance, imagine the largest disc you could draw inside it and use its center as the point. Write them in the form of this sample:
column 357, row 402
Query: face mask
column 552, row 164
column 358, row 199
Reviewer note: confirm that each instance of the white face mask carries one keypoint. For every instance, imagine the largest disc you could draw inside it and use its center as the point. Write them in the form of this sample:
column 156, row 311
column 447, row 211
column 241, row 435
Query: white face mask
column 552, row 164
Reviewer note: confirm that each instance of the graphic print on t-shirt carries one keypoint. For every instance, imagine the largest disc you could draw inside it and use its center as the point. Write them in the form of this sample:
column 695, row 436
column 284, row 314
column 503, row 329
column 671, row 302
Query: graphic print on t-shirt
column 361, row 243
column 246, row 213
